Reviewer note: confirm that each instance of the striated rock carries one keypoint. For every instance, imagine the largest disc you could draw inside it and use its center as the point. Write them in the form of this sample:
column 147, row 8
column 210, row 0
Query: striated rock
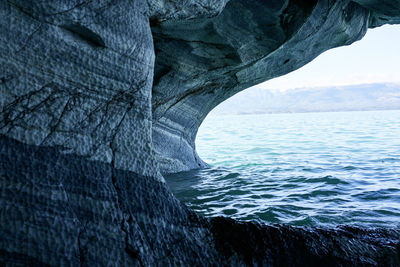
column 98, row 98
column 162, row 10
column 202, row 62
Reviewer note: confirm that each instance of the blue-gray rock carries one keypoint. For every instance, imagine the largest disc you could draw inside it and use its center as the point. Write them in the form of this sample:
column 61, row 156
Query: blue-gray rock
column 201, row 62
column 99, row 98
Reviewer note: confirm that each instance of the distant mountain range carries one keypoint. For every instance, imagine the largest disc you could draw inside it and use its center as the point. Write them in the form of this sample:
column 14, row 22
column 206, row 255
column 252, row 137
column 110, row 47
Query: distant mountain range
column 340, row 98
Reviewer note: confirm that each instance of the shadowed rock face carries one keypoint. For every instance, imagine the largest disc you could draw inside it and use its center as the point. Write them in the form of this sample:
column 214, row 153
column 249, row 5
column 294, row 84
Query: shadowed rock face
column 98, row 98
column 59, row 209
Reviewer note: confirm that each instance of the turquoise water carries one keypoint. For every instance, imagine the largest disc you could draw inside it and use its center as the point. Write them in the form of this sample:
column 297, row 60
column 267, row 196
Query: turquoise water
column 308, row 169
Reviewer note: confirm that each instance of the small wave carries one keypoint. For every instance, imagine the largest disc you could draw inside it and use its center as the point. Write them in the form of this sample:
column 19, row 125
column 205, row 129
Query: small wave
column 237, row 192
column 349, row 168
column 314, row 170
column 230, row 176
column 389, row 159
column 304, row 221
column 374, row 195
column 229, row 211
column 330, row 180
column 269, row 216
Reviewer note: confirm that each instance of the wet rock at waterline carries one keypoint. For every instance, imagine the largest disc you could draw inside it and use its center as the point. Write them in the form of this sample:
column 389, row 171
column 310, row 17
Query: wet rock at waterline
column 98, row 98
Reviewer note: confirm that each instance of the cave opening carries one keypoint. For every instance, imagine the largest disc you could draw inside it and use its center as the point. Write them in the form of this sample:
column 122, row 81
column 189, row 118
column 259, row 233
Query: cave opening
column 316, row 147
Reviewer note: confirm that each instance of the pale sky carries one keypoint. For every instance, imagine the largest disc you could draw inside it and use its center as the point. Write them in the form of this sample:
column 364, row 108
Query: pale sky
column 376, row 58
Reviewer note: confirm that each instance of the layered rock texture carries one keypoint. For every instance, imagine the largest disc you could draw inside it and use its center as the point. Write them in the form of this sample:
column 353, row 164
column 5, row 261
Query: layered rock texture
column 99, row 98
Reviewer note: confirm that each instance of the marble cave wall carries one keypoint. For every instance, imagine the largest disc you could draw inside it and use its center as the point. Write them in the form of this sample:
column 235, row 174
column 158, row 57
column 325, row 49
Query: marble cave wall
column 100, row 98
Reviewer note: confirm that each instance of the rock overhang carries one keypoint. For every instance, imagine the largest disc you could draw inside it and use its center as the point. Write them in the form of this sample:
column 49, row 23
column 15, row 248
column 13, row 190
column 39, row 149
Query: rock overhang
column 202, row 61
column 199, row 53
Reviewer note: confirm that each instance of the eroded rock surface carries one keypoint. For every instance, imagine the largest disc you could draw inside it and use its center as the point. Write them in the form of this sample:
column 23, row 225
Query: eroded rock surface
column 98, row 98
column 202, row 62
column 78, row 75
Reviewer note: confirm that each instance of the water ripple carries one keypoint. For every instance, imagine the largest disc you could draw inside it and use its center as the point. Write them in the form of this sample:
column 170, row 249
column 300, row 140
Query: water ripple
column 302, row 169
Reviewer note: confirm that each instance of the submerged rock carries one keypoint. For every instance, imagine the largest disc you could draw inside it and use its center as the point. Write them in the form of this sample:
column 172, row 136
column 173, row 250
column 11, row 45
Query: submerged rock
column 98, row 98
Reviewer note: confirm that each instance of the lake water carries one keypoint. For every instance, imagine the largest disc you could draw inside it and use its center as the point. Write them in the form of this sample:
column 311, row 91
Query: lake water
column 308, row 169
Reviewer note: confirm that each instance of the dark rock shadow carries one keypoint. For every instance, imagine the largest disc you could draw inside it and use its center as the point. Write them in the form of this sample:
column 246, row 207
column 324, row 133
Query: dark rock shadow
column 60, row 209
